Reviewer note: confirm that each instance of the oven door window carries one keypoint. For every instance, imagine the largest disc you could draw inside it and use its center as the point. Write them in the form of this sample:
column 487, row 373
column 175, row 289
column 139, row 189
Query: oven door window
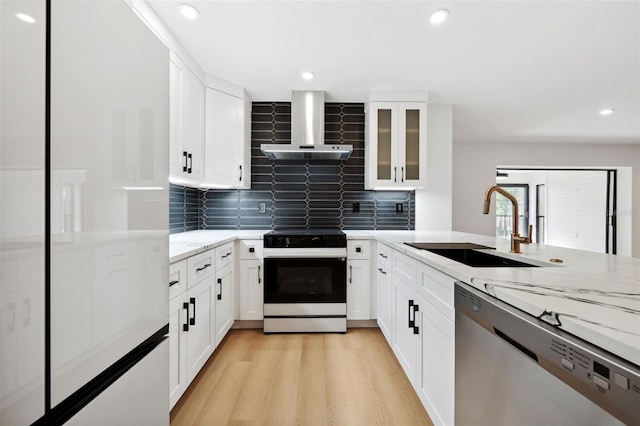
column 305, row 280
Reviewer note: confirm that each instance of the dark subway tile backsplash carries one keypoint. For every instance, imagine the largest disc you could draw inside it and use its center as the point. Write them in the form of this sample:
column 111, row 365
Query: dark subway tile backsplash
column 296, row 193
column 185, row 212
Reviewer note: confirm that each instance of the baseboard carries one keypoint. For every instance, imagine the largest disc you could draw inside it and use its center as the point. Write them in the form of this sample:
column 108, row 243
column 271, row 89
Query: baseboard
column 244, row 324
column 241, row 324
column 362, row 323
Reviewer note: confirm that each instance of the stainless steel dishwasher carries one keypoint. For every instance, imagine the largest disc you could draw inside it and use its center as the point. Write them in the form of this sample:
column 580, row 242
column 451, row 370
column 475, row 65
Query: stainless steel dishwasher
column 514, row 369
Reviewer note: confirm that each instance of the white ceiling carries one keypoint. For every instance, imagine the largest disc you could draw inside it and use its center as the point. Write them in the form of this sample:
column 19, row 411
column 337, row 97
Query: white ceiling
column 515, row 71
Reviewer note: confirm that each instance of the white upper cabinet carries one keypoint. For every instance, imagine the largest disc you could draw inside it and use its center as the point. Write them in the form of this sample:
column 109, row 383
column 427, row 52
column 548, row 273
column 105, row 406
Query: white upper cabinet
column 187, row 124
column 228, row 144
column 396, row 145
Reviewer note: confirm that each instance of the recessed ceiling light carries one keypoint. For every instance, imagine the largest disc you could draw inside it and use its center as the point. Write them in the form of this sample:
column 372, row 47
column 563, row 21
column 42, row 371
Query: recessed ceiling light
column 439, row 16
column 308, row 75
column 188, row 11
column 25, row 18
column 607, row 111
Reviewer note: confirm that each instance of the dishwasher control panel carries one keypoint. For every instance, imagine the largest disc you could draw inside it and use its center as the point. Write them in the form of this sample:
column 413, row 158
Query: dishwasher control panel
column 607, row 380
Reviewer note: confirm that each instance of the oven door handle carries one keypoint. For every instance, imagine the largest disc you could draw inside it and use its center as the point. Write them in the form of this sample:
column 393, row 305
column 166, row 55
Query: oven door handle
column 305, row 252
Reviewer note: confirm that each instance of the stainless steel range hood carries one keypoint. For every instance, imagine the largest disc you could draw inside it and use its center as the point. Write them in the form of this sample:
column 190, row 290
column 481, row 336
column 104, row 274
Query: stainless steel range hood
column 307, row 132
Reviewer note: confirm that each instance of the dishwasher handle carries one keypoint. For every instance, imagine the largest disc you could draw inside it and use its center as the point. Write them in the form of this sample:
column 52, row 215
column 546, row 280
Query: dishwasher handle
column 516, row 345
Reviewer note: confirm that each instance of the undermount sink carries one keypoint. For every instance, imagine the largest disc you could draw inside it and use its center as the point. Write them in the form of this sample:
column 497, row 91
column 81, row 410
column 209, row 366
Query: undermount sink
column 472, row 255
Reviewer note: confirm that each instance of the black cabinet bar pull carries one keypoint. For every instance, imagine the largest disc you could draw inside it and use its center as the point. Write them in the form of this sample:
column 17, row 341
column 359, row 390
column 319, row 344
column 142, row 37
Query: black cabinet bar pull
column 186, row 161
column 402, row 174
column 385, row 257
column 350, row 274
column 240, row 177
column 203, row 268
column 412, row 323
column 171, row 283
column 192, row 321
column 220, row 291
column 190, row 156
column 259, row 279
column 381, row 270
column 185, row 326
column 416, row 329
column 395, row 174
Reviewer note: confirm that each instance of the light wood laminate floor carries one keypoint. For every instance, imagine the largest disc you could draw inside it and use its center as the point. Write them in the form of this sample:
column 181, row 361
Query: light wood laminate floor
column 301, row 379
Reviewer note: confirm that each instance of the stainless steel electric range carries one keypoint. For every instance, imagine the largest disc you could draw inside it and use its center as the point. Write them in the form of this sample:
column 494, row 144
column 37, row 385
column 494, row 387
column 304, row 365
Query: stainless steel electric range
column 305, row 281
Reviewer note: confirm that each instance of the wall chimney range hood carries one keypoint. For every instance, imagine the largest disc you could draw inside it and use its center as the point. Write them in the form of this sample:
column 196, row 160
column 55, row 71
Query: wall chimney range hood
column 307, row 132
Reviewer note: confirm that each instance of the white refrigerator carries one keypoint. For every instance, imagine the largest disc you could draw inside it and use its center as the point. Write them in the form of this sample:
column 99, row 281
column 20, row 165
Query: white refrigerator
column 84, row 126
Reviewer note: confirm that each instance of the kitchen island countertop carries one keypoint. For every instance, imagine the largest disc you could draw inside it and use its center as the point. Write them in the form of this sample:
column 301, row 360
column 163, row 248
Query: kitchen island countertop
column 594, row 296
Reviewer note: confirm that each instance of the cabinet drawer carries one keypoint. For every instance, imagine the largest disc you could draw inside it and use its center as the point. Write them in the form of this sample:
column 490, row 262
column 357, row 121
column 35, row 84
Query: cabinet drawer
column 404, row 268
column 200, row 267
column 358, row 249
column 437, row 289
column 384, row 255
column 177, row 278
column 250, row 249
column 112, row 255
column 224, row 255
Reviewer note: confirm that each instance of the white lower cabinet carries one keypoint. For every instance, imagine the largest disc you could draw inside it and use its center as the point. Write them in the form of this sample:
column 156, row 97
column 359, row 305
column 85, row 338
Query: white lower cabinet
column 201, row 336
column 178, row 320
column 435, row 384
column 406, row 338
column 191, row 334
column 385, row 304
column 251, row 289
column 384, row 288
column 421, row 330
column 358, row 283
column 250, row 280
column 223, row 302
column 200, row 315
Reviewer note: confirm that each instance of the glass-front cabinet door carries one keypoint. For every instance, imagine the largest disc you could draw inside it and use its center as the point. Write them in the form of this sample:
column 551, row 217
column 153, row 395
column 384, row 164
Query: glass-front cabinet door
column 410, row 129
column 397, row 143
column 384, row 150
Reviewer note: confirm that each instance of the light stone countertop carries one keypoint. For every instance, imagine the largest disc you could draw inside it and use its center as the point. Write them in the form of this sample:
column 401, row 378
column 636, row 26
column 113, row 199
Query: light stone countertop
column 594, row 296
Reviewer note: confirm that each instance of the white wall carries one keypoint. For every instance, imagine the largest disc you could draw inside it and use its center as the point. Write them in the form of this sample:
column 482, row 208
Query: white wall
column 433, row 203
column 577, row 210
column 474, row 168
